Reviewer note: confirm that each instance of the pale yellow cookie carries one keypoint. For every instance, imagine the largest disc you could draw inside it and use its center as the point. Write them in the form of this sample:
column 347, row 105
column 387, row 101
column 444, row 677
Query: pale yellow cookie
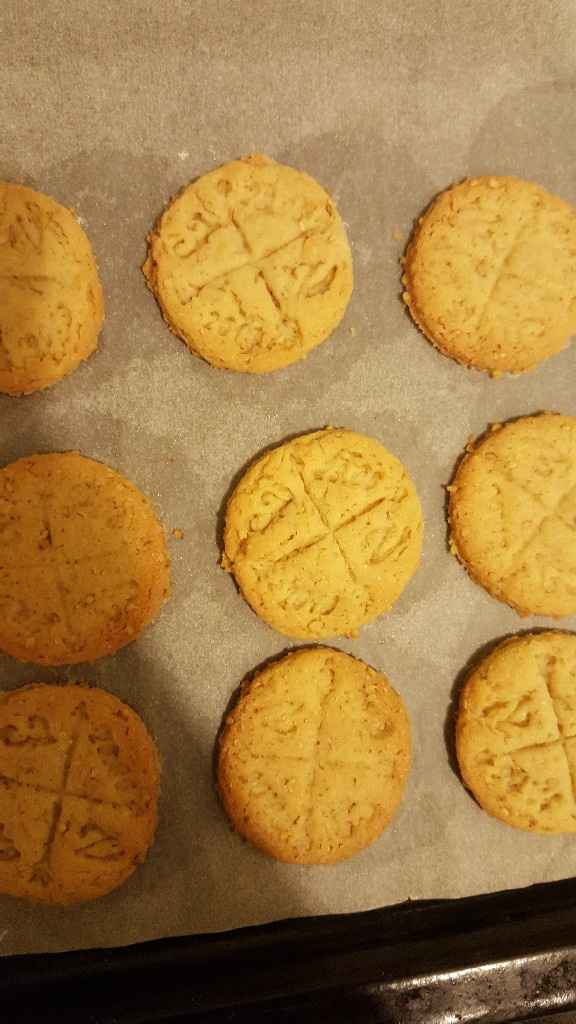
column 51, row 306
column 313, row 760
column 516, row 732
column 83, row 560
column 323, row 533
column 251, row 265
column 512, row 513
column 490, row 274
column 79, row 782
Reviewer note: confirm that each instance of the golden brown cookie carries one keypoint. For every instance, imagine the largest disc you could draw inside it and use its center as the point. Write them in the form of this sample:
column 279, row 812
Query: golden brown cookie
column 79, row 784
column 83, row 562
column 323, row 533
column 313, row 760
column 251, row 265
column 516, row 732
column 490, row 274
column 51, row 306
column 512, row 514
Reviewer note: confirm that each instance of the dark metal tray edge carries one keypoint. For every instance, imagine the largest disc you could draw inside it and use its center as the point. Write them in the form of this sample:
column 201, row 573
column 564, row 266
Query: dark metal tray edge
column 497, row 957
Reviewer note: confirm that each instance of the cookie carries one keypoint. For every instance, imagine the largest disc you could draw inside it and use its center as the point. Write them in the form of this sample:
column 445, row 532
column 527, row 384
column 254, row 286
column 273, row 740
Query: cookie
column 83, row 562
column 79, row 783
column 516, row 732
column 323, row 533
column 313, row 760
column 490, row 274
column 51, row 305
column 251, row 265
column 512, row 513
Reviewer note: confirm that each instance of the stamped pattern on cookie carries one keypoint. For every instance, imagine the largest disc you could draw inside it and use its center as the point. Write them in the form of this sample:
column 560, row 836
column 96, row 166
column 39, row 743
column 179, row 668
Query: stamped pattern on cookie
column 94, row 809
column 83, row 562
column 313, row 761
column 8, row 848
column 35, row 732
column 489, row 274
column 323, row 534
column 516, row 732
column 41, row 872
column 513, row 514
column 97, row 844
column 251, row 265
column 50, row 294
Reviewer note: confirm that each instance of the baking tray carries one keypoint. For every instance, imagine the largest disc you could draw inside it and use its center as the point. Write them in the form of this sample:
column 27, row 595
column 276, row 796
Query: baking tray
column 496, row 957
column 502, row 957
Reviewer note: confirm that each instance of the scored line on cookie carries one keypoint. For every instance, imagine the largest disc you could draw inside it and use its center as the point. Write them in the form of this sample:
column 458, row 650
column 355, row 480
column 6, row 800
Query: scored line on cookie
column 552, row 515
column 527, row 226
column 32, row 278
column 49, row 791
column 504, row 472
column 560, row 742
column 315, row 760
column 310, row 232
column 333, row 533
column 511, row 478
column 284, row 318
column 547, row 680
column 41, row 869
column 323, row 536
column 55, row 568
column 245, row 241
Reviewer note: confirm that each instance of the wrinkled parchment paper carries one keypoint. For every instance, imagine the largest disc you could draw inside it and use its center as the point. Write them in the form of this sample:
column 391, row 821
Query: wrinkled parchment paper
column 111, row 108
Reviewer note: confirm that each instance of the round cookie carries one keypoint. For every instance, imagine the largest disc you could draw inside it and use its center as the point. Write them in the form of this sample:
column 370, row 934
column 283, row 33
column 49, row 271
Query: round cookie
column 79, row 784
column 313, row 760
column 516, row 732
column 251, row 265
column 490, row 274
column 512, row 512
column 51, row 305
column 83, row 562
column 323, row 533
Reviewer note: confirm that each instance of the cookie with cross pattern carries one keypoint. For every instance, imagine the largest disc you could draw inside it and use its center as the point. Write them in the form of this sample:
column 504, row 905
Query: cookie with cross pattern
column 490, row 274
column 516, row 732
column 83, row 560
column 313, row 760
column 51, row 304
column 512, row 513
column 323, row 533
column 79, row 783
column 251, row 265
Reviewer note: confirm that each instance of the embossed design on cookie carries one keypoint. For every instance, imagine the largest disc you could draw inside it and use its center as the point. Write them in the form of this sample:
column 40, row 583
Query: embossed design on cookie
column 490, row 274
column 108, row 752
column 323, row 533
column 98, row 844
column 41, row 874
column 101, row 811
column 83, row 560
column 35, row 732
column 8, row 849
column 51, row 305
column 516, row 732
column 512, row 513
column 251, row 265
column 314, row 756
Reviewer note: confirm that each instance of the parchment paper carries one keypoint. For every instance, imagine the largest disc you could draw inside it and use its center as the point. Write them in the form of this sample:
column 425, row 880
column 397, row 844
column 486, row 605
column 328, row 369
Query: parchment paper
column 112, row 107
